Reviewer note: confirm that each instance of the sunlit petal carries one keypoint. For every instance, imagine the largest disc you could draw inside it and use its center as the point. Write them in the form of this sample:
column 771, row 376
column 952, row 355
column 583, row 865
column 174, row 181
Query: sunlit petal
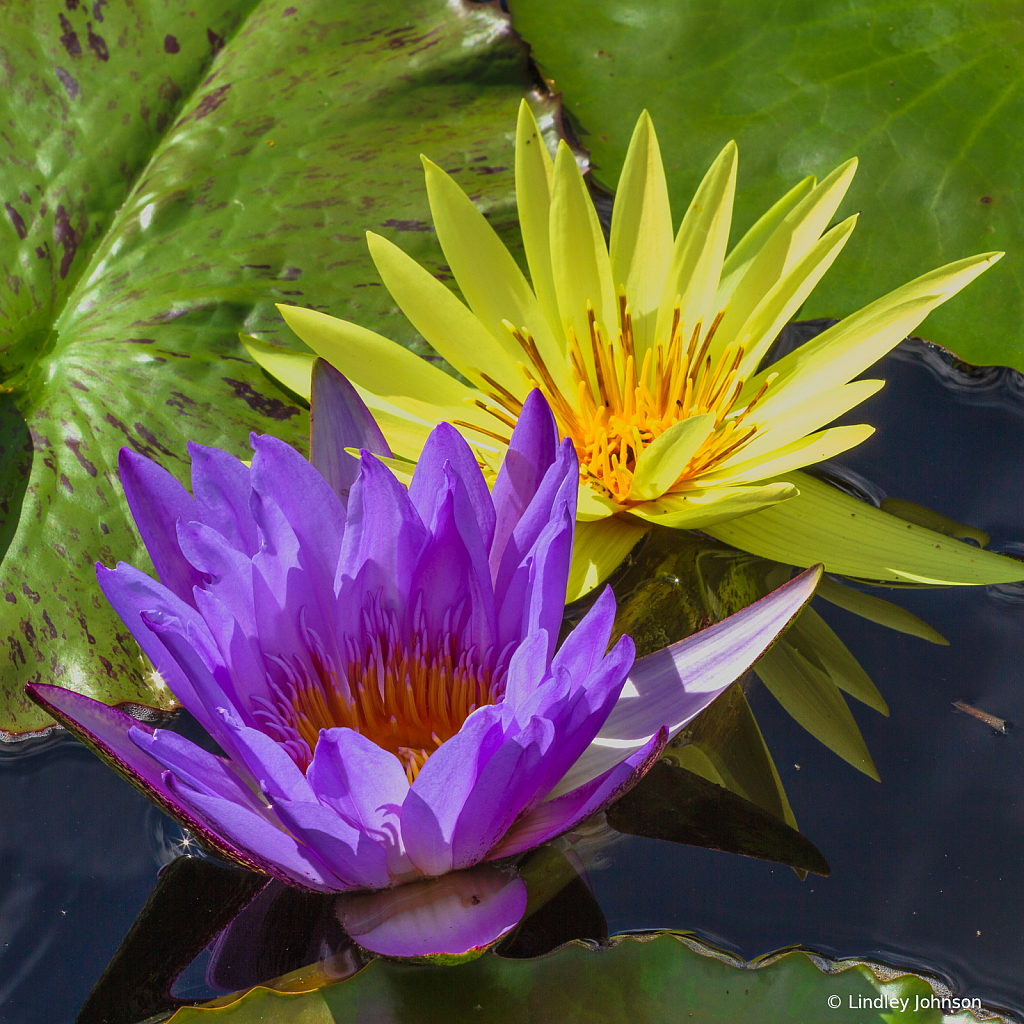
column 534, row 173
column 487, row 275
column 699, row 249
column 453, row 331
column 641, row 236
column 579, row 259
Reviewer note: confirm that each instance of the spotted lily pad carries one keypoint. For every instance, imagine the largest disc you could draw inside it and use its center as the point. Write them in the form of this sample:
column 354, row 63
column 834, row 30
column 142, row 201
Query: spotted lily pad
column 171, row 171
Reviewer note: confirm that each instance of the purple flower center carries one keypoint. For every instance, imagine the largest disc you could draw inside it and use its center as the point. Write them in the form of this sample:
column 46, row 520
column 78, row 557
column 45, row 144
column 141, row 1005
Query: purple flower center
column 400, row 687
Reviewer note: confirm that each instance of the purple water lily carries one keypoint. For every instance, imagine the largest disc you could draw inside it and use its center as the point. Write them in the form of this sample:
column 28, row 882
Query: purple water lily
column 379, row 666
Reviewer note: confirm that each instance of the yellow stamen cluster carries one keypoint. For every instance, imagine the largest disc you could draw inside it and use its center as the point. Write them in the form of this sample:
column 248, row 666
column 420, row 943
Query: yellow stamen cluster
column 408, row 703
column 619, row 408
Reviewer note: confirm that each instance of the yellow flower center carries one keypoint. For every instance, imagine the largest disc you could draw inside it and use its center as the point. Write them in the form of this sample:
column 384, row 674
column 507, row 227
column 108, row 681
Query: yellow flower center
column 620, row 408
column 408, row 702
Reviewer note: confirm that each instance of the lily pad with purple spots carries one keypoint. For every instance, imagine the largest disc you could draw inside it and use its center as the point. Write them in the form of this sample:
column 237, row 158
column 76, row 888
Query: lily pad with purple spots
column 170, row 171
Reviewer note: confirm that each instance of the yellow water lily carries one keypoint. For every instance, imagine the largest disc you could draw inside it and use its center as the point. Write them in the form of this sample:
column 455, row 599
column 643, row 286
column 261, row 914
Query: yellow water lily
column 647, row 350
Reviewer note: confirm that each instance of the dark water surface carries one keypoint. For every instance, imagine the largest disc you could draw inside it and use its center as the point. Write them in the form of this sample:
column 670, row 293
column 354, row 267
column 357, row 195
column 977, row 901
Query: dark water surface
column 927, row 867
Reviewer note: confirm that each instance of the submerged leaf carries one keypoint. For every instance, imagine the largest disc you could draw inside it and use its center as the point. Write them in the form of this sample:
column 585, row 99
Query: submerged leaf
column 728, row 735
column 812, row 636
column 813, row 699
column 876, row 609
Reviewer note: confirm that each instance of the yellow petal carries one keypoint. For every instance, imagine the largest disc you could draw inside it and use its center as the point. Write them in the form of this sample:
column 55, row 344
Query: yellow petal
column 662, row 461
column 579, row 259
column 852, row 538
column 292, row 369
column 805, row 452
column 388, row 370
column 796, row 234
column 591, row 506
column 801, row 419
column 777, row 308
column 914, row 513
column 875, row 609
column 405, row 434
column 810, row 696
column 454, row 332
column 488, row 276
column 740, row 257
column 697, row 510
column 534, row 172
column 700, row 250
column 641, row 237
column 598, row 549
column 851, row 346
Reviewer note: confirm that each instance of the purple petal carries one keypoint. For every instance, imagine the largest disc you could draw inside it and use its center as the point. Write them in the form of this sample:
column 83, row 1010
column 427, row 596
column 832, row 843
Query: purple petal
column 229, row 570
column 584, row 647
column 534, row 597
column 105, row 730
column 131, row 593
column 560, row 485
column 220, row 484
column 157, row 501
column 285, row 484
column 270, row 849
column 545, row 596
column 339, row 419
column 268, row 762
column 384, row 533
column 195, row 767
column 347, row 851
column 459, row 915
column 364, row 783
column 670, row 687
column 447, row 447
column 552, row 818
column 431, row 810
column 531, row 452
column 504, row 786
column 579, row 715
column 442, row 573
column 527, row 669
column 209, row 680
column 241, row 671
column 483, row 619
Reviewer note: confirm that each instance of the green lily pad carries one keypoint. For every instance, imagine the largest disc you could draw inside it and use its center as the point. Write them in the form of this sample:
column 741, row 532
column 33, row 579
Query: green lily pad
column 170, row 174
column 926, row 95
column 649, row 980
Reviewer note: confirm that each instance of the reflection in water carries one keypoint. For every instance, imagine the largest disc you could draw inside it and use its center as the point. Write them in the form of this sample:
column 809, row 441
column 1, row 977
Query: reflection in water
column 79, row 851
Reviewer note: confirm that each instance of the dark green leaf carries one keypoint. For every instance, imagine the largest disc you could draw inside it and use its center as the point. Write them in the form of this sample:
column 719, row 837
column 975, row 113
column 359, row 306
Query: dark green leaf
column 927, row 95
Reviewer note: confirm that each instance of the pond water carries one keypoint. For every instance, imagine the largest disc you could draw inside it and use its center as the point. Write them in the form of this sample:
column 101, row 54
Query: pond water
column 927, row 867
